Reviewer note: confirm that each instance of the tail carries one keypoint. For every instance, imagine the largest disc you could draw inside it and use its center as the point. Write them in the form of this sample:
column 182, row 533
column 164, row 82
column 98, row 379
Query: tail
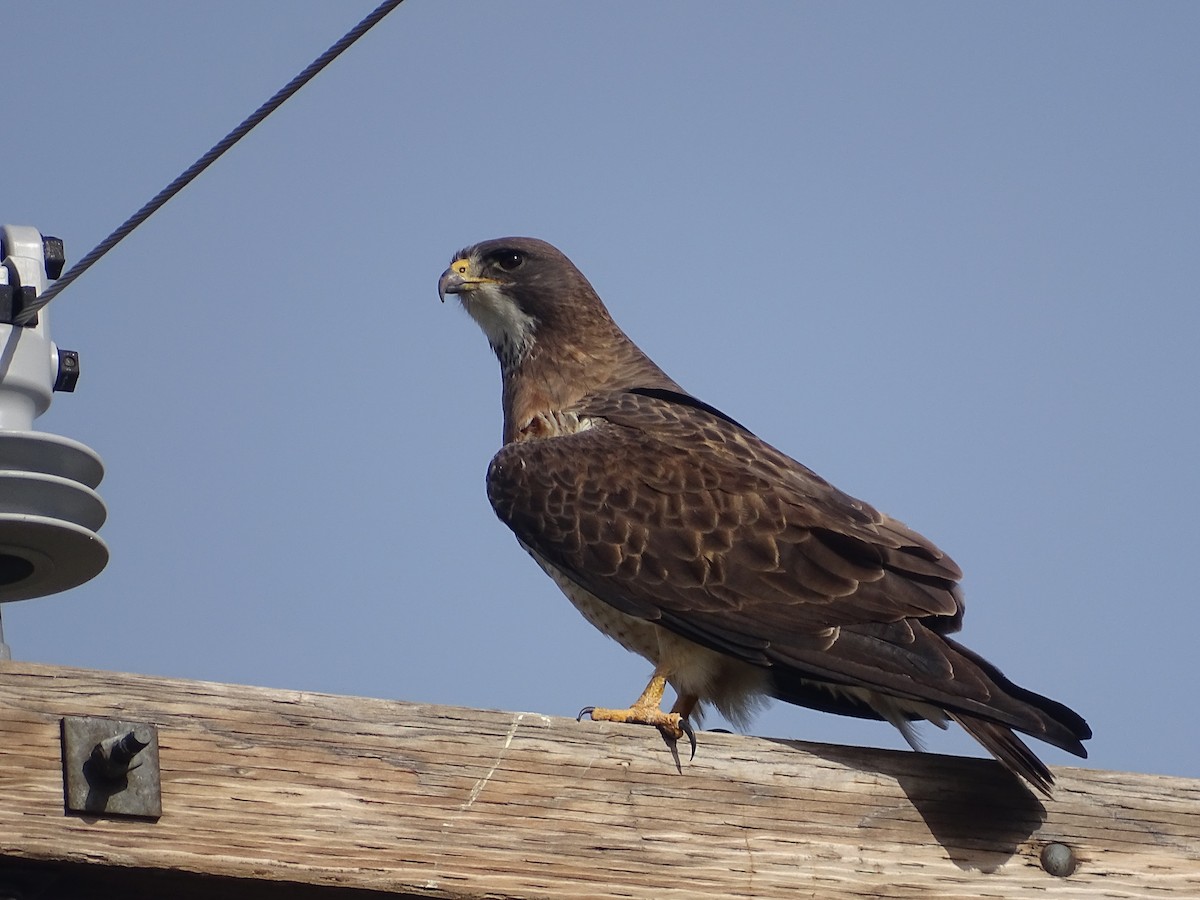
column 978, row 696
column 1023, row 710
column 1003, row 743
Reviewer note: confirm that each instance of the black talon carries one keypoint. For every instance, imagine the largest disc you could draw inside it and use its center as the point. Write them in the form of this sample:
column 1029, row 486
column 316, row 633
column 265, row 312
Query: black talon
column 690, row 732
column 587, row 711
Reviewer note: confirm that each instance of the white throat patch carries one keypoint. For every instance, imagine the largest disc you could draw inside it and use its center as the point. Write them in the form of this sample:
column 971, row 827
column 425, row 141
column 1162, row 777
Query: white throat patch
column 508, row 328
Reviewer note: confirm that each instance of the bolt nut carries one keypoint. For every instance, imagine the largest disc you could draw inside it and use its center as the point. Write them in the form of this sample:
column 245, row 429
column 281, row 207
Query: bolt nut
column 55, row 255
column 115, row 756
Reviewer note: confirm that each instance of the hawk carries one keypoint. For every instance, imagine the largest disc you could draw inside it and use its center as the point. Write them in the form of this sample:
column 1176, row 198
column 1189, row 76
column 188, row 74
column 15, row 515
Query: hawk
column 739, row 573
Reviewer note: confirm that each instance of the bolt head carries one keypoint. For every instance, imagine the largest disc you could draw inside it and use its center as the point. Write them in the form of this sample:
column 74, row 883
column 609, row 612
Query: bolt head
column 1059, row 859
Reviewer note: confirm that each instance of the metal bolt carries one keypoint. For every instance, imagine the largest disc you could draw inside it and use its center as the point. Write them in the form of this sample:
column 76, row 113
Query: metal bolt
column 1059, row 859
column 114, row 756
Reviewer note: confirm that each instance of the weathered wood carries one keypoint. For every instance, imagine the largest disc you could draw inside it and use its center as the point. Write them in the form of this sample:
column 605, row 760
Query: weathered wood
column 297, row 788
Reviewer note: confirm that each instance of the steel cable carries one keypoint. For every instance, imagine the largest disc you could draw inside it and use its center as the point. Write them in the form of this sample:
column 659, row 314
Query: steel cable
column 27, row 313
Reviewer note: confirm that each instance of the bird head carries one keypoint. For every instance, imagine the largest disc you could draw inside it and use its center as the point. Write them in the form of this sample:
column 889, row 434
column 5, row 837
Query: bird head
column 516, row 289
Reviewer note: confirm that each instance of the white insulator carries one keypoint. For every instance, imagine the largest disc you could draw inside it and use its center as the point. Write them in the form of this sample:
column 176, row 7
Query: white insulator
column 49, row 508
column 49, row 514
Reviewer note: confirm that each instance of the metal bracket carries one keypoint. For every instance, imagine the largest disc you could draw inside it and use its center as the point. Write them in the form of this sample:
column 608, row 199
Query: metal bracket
column 110, row 767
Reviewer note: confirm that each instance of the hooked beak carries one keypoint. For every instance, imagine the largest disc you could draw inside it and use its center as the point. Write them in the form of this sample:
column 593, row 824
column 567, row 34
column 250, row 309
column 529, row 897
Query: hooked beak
column 451, row 282
column 460, row 278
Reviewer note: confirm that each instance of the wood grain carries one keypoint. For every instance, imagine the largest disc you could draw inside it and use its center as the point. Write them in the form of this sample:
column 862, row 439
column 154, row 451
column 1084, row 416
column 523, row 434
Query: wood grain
column 301, row 788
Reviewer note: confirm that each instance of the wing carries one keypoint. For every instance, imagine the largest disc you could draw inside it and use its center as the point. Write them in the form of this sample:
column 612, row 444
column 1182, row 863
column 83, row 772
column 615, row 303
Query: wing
column 667, row 509
column 671, row 512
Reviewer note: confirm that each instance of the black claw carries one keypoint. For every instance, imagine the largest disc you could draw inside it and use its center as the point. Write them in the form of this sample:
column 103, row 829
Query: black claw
column 690, row 732
column 586, row 711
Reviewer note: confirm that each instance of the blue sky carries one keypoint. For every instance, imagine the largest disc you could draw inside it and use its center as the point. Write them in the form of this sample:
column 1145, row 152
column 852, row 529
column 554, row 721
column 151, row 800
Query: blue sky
column 946, row 254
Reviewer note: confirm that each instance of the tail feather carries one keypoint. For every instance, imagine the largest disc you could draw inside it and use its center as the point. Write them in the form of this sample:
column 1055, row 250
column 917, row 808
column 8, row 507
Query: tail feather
column 864, row 674
column 1030, row 712
column 1000, row 741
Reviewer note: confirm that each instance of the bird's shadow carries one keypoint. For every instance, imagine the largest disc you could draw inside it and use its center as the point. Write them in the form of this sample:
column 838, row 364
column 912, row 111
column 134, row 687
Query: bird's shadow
column 978, row 811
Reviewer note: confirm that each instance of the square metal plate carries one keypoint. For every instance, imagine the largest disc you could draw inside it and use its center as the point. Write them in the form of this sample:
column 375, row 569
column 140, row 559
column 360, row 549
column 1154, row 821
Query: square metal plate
column 138, row 792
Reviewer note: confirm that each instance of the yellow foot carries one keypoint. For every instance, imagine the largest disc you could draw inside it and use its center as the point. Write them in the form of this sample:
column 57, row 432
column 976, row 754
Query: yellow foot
column 672, row 725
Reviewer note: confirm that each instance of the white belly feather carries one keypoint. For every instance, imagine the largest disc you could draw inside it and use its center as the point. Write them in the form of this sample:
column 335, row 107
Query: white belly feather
column 737, row 689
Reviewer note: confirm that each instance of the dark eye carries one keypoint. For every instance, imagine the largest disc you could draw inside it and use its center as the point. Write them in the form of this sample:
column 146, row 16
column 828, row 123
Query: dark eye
column 508, row 259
